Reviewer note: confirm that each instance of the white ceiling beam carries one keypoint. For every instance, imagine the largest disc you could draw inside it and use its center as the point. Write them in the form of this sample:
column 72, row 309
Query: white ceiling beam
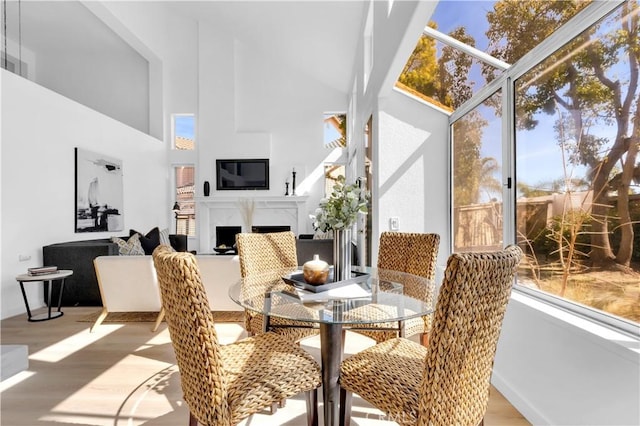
column 457, row 44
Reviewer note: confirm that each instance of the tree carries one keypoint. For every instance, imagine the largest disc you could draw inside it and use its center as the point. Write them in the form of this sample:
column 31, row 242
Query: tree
column 583, row 79
column 421, row 70
column 454, row 86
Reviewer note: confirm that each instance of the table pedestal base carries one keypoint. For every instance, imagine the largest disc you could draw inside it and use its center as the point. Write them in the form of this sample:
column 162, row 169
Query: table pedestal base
column 331, row 356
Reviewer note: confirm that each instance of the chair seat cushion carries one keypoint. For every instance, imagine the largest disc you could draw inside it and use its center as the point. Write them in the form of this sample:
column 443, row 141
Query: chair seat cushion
column 388, row 375
column 264, row 369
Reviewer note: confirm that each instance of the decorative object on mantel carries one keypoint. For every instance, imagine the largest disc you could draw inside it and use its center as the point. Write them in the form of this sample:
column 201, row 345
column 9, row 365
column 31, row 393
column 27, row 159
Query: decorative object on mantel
column 339, row 213
column 247, row 207
column 286, row 187
column 207, row 188
column 293, row 186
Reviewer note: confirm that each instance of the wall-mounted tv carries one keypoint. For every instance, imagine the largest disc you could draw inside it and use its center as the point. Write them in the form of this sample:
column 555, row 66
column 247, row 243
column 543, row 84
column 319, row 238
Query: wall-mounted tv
column 242, row 174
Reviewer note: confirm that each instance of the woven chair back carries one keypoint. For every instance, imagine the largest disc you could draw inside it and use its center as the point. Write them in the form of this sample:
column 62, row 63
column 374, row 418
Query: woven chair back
column 468, row 318
column 260, row 253
column 193, row 336
column 410, row 252
column 413, row 253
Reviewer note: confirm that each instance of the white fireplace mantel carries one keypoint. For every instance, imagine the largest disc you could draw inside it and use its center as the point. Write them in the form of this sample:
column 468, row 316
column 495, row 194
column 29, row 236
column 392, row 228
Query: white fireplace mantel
column 227, row 211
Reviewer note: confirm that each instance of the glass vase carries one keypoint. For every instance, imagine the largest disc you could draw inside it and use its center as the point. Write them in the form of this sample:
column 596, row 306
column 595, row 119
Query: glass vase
column 341, row 254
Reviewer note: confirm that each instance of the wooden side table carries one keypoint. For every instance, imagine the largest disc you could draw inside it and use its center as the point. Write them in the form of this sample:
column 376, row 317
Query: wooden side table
column 48, row 280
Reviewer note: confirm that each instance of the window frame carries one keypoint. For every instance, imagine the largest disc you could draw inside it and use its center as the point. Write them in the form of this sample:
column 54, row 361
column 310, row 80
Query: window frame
column 582, row 21
column 183, row 158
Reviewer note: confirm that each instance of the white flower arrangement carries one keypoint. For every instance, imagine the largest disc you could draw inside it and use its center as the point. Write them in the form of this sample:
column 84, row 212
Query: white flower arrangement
column 341, row 209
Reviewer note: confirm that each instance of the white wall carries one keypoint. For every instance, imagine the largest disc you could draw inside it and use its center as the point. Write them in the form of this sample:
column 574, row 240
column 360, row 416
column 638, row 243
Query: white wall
column 247, row 105
column 109, row 77
column 250, row 106
column 559, row 369
column 39, row 131
column 115, row 84
column 170, row 43
column 412, row 172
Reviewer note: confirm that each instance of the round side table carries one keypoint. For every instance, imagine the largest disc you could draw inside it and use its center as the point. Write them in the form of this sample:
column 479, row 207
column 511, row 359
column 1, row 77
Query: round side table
column 48, row 280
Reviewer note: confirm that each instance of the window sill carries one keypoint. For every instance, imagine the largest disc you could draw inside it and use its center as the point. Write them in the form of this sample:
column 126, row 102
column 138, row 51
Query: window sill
column 624, row 344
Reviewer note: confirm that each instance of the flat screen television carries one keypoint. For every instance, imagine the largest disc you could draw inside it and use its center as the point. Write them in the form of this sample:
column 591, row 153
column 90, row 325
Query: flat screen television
column 242, row 174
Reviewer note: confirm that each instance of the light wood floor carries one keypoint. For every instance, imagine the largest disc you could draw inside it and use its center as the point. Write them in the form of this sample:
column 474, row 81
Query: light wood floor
column 123, row 374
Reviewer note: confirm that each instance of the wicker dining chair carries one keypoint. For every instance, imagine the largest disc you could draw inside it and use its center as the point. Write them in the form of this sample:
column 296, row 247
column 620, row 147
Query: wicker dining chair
column 415, row 254
column 223, row 384
column 447, row 382
column 264, row 253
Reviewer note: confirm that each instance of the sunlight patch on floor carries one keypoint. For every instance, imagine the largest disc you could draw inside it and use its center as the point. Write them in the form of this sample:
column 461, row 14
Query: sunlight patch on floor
column 72, row 344
column 153, row 378
column 15, row 379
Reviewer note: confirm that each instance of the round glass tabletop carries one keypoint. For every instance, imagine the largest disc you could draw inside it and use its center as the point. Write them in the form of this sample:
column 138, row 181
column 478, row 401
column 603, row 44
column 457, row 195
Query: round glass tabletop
column 370, row 296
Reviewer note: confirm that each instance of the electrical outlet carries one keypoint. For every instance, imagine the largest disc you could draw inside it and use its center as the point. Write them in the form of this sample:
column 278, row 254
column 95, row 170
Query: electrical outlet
column 394, row 223
column 23, row 257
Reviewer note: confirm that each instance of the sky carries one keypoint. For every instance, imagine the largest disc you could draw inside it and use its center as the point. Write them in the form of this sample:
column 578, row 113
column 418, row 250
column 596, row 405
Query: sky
column 184, row 126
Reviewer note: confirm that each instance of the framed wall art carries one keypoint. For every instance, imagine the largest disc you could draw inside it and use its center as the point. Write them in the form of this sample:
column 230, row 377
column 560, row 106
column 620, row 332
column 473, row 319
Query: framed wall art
column 99, row 192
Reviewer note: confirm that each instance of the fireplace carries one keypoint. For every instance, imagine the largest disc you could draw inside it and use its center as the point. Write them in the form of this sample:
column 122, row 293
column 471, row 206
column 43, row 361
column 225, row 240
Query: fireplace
column 270, row 228
column 227, row 235
column 270, row 212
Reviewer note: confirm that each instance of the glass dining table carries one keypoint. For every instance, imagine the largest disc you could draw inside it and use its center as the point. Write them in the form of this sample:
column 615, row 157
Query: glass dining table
column 373, row 296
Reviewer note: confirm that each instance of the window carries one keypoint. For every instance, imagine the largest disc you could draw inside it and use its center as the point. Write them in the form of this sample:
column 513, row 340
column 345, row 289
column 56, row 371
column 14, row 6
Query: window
column 462, row 48
column 477, row 179
column 183, row 139
column 184, row 132
column 577, row 169
column 335, row 130
column 185, row 216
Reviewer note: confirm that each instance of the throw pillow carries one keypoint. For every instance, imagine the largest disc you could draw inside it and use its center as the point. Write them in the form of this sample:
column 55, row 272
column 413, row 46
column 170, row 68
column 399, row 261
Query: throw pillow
column 130, row 247
column 164, row 237
column 150, row 241
column 165, row 240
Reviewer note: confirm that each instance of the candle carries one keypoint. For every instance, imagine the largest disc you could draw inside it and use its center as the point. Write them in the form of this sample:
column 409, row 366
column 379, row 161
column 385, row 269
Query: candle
column 294, row 170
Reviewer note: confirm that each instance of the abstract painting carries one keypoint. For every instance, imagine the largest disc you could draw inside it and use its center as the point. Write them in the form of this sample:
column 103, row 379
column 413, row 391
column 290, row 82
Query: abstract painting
column 99, row 192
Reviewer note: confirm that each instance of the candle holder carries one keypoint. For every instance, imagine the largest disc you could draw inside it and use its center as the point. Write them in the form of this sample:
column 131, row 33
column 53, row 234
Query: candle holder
column 286, row 185
column 293, row 185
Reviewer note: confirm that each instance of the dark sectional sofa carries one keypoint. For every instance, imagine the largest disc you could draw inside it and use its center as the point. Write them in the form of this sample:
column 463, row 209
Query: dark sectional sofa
column 81, row 288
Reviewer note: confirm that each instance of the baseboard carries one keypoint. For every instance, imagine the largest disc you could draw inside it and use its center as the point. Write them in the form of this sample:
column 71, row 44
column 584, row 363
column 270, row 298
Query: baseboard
column 528, row 411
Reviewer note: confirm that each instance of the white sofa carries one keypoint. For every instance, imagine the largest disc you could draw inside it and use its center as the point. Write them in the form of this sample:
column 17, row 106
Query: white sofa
column 129, row 284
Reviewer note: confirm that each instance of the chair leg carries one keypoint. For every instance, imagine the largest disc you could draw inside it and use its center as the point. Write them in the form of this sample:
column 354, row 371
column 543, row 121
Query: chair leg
column 345, row 407
column 101, row 317
column 311, row 398
column 159, row 319
column 192, row 420
column 424, row 339
column 274, row 408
